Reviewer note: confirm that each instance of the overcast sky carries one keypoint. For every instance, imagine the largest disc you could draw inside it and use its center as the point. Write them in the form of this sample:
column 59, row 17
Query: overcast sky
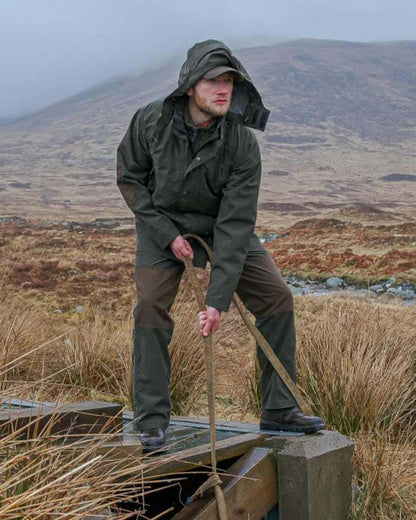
column 51, row 49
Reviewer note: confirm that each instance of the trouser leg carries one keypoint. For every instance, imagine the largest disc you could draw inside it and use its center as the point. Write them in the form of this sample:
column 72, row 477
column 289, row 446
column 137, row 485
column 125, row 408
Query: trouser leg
column 265, row 293
column 153, row 329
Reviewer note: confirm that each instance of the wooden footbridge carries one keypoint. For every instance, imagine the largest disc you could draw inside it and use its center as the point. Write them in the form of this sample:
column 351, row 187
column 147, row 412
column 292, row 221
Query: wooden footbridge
column 264, row 476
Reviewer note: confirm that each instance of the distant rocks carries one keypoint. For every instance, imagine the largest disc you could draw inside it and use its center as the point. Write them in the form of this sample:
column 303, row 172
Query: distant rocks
column 405, row 291
column 79, row 309
column 294, row 139
column 302, row 287
column 378, row 289
column 17, row 221
column 319, row 223
column 361, row 209
column 335, row 283
column 398, row 177
column 401, row 292
column 20, row 185
column 269, row 237
column 281, row 206
column 99, row 224
column 280, row 173
column 381, row 288
column 298, row 290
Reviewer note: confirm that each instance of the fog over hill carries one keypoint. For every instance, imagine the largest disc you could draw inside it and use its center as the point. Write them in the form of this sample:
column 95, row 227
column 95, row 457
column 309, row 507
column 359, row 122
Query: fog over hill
column 343, row 116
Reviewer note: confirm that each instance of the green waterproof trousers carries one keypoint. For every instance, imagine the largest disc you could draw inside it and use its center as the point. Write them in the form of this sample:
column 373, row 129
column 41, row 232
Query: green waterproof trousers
column 262, row 289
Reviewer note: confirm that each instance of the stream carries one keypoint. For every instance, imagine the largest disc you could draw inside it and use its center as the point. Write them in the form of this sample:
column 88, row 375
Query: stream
column 405, row 292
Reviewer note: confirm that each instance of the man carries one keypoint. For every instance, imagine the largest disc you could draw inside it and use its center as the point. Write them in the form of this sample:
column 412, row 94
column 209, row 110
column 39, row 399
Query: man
column 190, row 164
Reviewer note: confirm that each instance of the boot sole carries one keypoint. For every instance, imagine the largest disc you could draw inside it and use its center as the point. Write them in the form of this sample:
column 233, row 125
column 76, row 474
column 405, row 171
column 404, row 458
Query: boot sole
column 275, row 426
column 151, row 444
column 157, row 450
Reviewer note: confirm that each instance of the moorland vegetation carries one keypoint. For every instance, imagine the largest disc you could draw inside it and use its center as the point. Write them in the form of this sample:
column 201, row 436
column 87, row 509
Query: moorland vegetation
column 65, row 329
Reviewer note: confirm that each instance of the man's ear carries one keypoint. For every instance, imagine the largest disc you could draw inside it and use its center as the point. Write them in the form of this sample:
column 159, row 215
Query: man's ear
column 190, row 92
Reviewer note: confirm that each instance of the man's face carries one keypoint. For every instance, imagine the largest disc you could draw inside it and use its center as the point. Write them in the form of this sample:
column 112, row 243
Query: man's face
column 213, row 96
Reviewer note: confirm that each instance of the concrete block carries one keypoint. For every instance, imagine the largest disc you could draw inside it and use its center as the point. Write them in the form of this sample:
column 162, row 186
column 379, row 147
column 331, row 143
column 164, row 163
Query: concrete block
column 314, row 477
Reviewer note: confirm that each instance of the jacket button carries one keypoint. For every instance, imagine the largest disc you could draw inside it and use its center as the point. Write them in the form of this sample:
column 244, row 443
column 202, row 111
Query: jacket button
column 198, row 159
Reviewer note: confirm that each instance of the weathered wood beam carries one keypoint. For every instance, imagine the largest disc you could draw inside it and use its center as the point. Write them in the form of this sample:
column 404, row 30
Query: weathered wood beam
column 16, row 402
column 125, row 452
column 200, row 456
column 68, row 418
column 250, row 490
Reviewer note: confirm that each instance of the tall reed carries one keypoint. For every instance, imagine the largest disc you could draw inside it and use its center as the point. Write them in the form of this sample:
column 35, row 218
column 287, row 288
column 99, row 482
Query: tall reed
column 50, row 476
column 356, row 365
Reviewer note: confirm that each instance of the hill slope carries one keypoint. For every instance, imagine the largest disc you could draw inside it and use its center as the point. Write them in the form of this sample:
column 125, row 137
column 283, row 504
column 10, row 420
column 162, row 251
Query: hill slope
column 342, row 128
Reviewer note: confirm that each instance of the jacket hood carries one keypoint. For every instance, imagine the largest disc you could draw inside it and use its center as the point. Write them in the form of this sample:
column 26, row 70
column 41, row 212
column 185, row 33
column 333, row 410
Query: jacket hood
column 246, row 106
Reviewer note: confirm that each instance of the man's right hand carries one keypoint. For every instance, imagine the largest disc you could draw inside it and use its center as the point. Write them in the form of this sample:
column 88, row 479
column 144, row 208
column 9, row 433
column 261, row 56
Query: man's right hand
column 181, row 247
column 209, row 321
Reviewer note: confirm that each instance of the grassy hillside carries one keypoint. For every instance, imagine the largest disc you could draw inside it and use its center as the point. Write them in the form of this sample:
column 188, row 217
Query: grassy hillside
column 341, row 131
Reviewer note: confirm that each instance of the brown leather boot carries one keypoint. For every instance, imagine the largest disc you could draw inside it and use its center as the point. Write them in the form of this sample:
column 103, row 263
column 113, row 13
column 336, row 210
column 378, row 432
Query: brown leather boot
column 290, row 419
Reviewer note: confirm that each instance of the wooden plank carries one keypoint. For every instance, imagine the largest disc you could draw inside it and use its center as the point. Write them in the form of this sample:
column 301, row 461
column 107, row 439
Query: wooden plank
column 250, row 490
column 16, row 402
column 204, row 422
column 200, row 456
column 231, row 426
column 68, row 418
column 158, row 465
column 178, row 433
column 118, row 447
column 120, row 452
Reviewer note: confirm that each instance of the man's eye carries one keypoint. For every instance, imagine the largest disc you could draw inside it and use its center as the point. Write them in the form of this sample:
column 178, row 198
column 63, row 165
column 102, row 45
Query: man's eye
column 219, row 80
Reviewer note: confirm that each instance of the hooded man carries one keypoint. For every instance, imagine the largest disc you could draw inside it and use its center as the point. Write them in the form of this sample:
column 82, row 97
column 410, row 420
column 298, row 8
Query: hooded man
column 189, row 163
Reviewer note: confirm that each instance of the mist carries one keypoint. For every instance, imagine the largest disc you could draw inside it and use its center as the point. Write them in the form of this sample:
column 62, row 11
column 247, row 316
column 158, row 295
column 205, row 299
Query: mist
column 52, row 49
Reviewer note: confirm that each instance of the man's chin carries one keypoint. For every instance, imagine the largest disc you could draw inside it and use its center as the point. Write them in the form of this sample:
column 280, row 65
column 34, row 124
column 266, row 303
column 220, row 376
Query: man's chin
column 219, row 111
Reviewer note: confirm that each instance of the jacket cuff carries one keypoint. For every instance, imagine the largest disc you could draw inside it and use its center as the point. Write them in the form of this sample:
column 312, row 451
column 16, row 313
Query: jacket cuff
column 220, row 305
column 164, row 239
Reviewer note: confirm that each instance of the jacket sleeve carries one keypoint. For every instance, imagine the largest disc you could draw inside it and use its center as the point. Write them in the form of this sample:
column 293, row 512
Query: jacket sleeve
column 134, row 164
column 235, row 223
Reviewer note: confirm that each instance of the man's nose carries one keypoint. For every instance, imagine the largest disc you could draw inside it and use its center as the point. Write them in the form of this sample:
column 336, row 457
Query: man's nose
column 224, row 87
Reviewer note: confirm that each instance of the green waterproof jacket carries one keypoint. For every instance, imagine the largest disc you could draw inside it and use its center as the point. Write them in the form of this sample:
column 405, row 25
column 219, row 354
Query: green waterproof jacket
column 213, row 194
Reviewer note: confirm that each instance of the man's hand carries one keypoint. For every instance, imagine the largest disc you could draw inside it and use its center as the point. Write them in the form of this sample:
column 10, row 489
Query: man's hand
column 181, row 247
column 209, row 320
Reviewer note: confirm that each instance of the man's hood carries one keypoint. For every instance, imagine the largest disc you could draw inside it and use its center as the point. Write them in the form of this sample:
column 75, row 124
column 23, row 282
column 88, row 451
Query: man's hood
column 246, row 107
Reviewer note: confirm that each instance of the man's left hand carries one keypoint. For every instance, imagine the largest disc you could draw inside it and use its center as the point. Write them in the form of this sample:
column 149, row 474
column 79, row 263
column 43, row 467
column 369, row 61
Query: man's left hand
column 181, row 248
column 209, row 321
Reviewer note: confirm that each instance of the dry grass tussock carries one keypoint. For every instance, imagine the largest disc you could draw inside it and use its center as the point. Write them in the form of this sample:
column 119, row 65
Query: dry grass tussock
column 356, row 365
column 188, row 380
column 86, row 358
column 385, row 477
column 46, row 477
column 96, row 353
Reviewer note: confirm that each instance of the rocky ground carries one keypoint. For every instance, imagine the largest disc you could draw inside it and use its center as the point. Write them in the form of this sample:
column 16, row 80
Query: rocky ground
column 326, row 254
column 66, row 264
